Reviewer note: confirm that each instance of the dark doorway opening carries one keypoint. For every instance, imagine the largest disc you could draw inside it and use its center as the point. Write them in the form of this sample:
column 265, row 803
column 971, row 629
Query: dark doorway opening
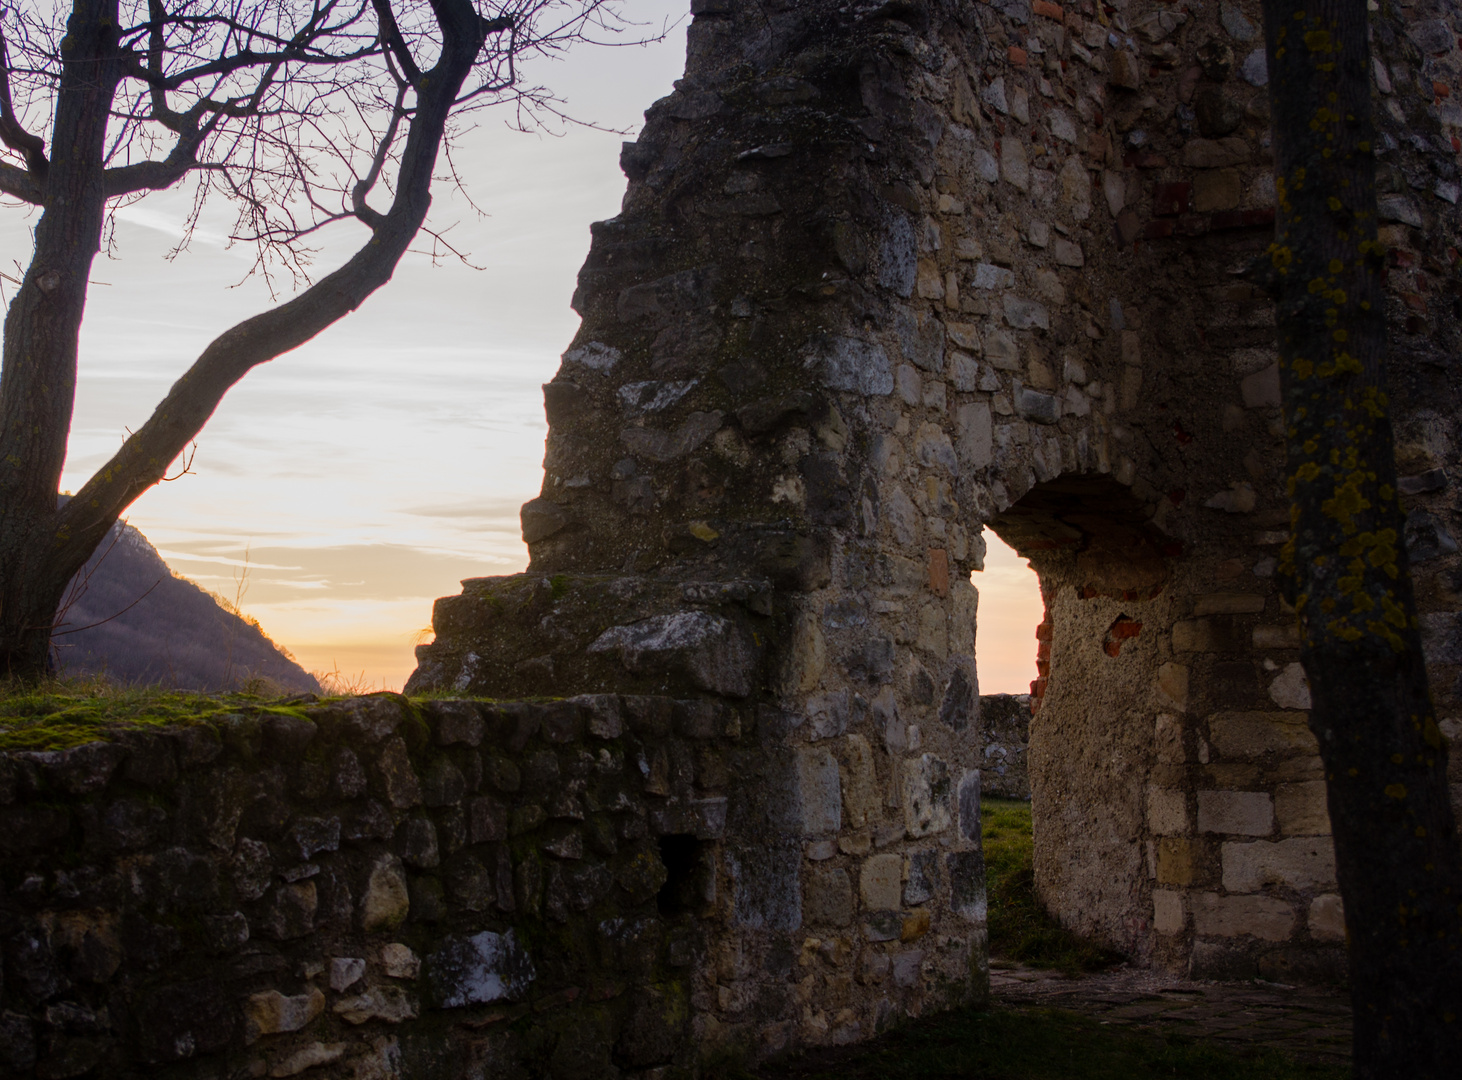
column 684, row 888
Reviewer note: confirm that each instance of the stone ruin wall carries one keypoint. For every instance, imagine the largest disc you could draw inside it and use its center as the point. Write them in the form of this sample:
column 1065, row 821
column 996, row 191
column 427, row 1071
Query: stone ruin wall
column 373, row 889
column 886, row 275
column 889, row 274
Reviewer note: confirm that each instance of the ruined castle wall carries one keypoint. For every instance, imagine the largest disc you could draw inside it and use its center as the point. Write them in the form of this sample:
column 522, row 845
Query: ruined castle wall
column 888, row 275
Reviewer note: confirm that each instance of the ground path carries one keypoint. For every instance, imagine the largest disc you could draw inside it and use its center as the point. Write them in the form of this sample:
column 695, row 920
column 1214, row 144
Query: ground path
column 1309, row 1023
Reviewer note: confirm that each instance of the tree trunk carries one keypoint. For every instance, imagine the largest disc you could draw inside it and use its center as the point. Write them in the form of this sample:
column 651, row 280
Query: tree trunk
column 38, row 376
column 1396, row 845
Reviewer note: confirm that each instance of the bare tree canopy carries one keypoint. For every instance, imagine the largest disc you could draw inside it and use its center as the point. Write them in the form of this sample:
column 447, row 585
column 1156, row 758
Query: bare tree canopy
column 299, row 114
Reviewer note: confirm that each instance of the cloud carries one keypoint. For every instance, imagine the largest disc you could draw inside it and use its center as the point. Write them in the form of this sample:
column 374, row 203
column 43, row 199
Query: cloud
column 169, row 225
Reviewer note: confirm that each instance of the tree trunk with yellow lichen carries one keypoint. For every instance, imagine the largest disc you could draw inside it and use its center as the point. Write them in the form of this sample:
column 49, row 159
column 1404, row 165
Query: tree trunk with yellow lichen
column 1396, row 846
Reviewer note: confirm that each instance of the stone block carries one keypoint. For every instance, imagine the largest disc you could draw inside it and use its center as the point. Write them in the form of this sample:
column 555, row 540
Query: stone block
column 1167, row 911
column 819, row 792
column 399, row 962
column 1298, row 863
column 1247, row 735
column 921, row 877
column 1239, row 813
column 859, row 781
column 967, row 885
column 1216, row 189
column 1216, row 153
column 398, row 781
column 715, row 653
column 1263, row 917
column 345, row 972
column 1167, row 811
column 310, row 1056
column 766, row 886
column 1176, row 861
column 1261, row 389
column 1277, row 637
column 1168, row 739
column 927, row 795
column 1327, row 918
column 1290, row 689
column 272, row 1013
column 386, row 900
column 1172, row 686
column 880, row 881
column 969, row 806
column 828, row 898
column 478, row 969
column 1302, row 809
column 388, row 1004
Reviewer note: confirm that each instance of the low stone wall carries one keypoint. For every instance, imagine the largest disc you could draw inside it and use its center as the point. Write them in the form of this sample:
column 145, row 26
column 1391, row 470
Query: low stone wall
column 383, row 887
column 1005, row 725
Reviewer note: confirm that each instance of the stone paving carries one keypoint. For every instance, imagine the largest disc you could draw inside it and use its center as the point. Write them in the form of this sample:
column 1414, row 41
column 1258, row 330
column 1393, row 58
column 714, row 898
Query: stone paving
column 1311, row 1023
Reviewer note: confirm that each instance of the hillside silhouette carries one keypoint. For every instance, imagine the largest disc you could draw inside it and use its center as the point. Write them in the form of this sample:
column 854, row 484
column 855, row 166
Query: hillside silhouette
column 129, row 618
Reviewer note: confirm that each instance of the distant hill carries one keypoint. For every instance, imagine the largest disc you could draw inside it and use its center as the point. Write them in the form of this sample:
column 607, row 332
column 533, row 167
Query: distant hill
column 131, row 619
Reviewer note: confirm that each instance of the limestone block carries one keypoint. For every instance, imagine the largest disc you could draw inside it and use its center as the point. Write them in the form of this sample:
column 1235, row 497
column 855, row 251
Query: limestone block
column 1167, row 911
column 927, row 795
column 933, row 449
column 1076, row 188
column 1172, row 686
column 857, row 366
column 1240, row 813
column 766, row 886
column 271, row 1013
column 921, row 877
column 1297, row 863
column 966, row 336
column 1001, row 351
column 1252, row 734
column 1196, row 635
column 966, row 605
column 397, row 778
column 1327, row 918
column 933, row 630
column 386, row 901
column 828, row 898
column 399, row 962
column 907, row 382
column 1125, row 70
column 1263, row 917
column 1014, row 168
column 716, row 653
column 859, row 781
column 969, row 805
column 1068, row 253
column 827, row 714
column 1022, row 314
column 1302, row 809
column 390, row 1004
column 1216, row 189
column 1168, row 739
column 477, row 969
column 1229, row 604
column 807, row 657
column 819, row 792
column 1176, row 861
column 967, row 885
column 1167, row 811
column 1291, row 688
column 915, row 926
column 976, row 444
column 345, row 972
column 880, row 882
column 1261, row 389
column 1277, row 637
column 309, row 1056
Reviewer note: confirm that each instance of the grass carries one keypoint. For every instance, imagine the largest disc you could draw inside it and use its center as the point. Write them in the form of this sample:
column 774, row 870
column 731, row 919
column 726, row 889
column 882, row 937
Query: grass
column 58, row 713
column 1020, row 928
column 1034, row 1044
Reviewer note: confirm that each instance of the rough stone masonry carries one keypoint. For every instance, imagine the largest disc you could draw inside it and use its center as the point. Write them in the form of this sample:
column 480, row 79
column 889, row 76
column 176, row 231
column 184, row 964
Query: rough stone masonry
column 886, row 274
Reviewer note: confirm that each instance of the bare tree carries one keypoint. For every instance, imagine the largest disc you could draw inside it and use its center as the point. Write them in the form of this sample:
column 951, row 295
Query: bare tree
column 299, row 113
column 1396, row 849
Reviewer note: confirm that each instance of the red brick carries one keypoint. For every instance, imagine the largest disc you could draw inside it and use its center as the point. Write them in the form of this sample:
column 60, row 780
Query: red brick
column 1158, row 229
column 1441, row 89
column 1049, row 10
column 1415, row 302
column 1017, row 56
column 939, row 571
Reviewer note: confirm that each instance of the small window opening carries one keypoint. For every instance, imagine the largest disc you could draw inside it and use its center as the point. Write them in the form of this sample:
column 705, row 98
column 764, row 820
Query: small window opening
column 682, row 891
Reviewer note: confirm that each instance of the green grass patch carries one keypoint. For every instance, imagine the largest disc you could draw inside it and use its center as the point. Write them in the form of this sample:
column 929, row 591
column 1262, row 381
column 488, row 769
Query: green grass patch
column 58, row 713
column 1035, row 1044
column 1020, row 928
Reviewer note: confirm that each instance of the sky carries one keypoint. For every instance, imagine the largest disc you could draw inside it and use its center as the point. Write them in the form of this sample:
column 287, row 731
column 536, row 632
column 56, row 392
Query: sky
column 342, row 487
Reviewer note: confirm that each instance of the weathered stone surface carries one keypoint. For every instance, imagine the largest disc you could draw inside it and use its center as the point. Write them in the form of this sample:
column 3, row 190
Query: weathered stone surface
column 927, row 795
column 479, row 969
column 1242, row 813
column 819, row 792
column 385, row 902
column 1302, row 809
column 1244, row 735
column 828, row 898
column 1298, row 863
column 716, row 654
column 1263, row 917
column 270, row 1012
column 388, row 1004
column 307, row 1057
column 1327, row 918
column 879, row 881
